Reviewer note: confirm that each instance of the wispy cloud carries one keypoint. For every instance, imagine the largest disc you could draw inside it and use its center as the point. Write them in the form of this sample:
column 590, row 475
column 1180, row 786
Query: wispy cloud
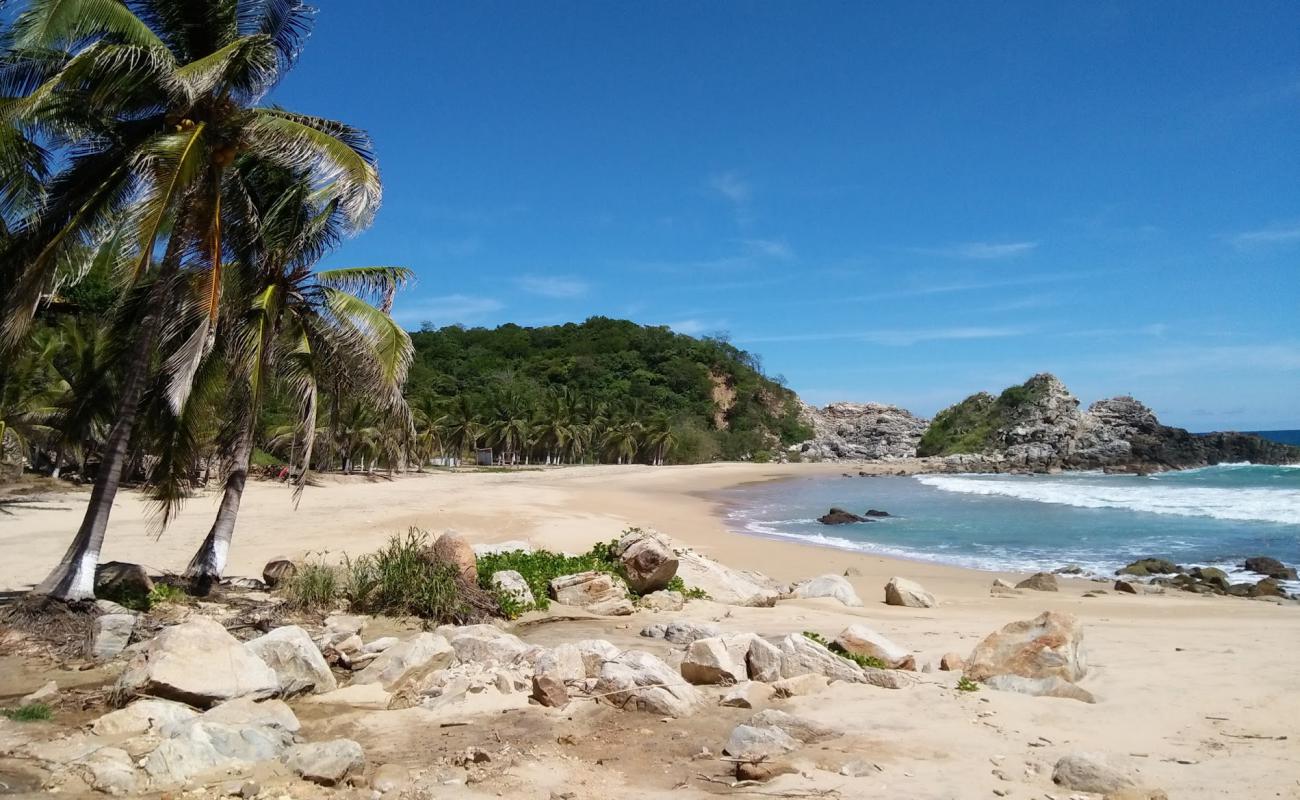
column 445, row 310
column 955, row 287
column 696, row 327
column 733, row 186
column 898, row 337
column 1157, row 329
column 980, row 251
column 769, row 248
column 556, row 287
column 1023, row 304
column 1266, row 237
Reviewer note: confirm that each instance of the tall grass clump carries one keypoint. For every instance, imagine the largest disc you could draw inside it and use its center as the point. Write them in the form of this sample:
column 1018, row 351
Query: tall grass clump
column 315, row 585
column 403, row 578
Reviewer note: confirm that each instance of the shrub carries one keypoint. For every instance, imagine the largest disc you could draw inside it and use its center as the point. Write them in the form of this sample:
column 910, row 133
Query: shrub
column 676, row 584
column 866, row 662
column 136, row 600
column 315, row 585
column 166, row 593
column 401, row 578
column 32, row 712
column 965, row 684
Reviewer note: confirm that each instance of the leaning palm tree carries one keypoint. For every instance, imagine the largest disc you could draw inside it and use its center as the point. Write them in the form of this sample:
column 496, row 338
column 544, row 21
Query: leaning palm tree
column 145, row 105
column 301, row 326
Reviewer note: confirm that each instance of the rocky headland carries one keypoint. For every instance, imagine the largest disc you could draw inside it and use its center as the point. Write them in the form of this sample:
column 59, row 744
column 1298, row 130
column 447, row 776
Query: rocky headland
column 1037, row 426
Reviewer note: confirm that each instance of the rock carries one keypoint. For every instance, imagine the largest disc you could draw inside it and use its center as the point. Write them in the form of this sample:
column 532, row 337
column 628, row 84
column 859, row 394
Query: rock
column 902, row 592
column 244, row 712
column 864, row 641
column 202, row 746
column 745, row 695
column 298, row 664
column 1125, row 587
column 595, row 652
column 596, row 592
column 197, row 662
column 858, row 769
column 828, row 586
column 110, row 635
column 1040, row 687
column 800, row 655
column 454, row 550
column 861, row 431
column 390, row 778
column 120, row 579
column 147, row 715
column 800, row 685
column 111, row 771
column 487, row 644
column 952, row 662
column 408, row 661
column 1270, row 567
column 550, row 691
column 326, row 763
column 758, row 743
column 801, row 729
column 710, row 661
column 682, row 631
column 726, row 585
column 277, row 571
column 852, row 572
column 1091, row 772
column 345, row 625
column 886, row 678
column 876, row 513
column 47, row 694
column 1069, row 569
column 639, row 681
column 647, row 559
column 1050, row 645
column 359, row 695
column 1150, row 566
column 763, row 660
column 511, row 584
column 556, row 669
column 764, row 772
column 1268, row 588
column 1040, row 582
column 380, row 645
column 838, row 516
column 1210, row 574
column 1137, row 794
column 663, row 600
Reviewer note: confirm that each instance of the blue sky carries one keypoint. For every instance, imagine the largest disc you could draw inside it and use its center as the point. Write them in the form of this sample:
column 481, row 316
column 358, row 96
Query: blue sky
column 902, row 202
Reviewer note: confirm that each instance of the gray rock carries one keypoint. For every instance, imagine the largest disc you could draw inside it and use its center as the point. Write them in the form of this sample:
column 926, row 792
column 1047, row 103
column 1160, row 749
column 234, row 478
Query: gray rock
column 390, row 778
column 595, row 652
column 596, row 592
column 110, row 635
column 758, row 743
column 682, row 631
column 763, row 660
column 146, row 715
column 201, row 747
column 111, row 770
column 326, row 763
column 511, row 584
column 663, row 600
column 800, row 728
column 1091, row 772
column 856, row 431
column 199, row 663
column 864, row 641
column 1040, row 582
column 711, row 661
column 834, row 586
column 245, row 712
column 1049, row 686
column 408, row 661
column 639, row 681
column 801, row 655
column 277, row 571
column 298, row 663
column 487, row 644
column 726, row 585
column 647, row 559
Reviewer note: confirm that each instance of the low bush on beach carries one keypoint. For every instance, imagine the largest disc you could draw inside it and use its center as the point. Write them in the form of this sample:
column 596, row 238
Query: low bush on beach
column 32, row 712
column 866, row 662
column 965, row 684
column 315, row 585
column 137, row 600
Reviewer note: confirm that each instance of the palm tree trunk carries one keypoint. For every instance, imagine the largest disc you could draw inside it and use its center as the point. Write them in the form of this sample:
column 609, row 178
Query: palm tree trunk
column 74, row 576
column 209, row 563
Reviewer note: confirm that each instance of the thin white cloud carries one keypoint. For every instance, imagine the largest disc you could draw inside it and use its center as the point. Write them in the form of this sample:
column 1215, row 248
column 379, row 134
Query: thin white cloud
column 898, row 337
column 973, row 286
column 769, row 248
column 556, row 287
column 696, row 327
column 445, row 310
column 980, row 251
column 1267, row 237
column 732, row 186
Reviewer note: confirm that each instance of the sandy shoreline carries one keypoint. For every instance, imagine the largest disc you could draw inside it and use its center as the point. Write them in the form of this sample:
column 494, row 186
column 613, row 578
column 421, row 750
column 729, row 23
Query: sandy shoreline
column 1188, row 684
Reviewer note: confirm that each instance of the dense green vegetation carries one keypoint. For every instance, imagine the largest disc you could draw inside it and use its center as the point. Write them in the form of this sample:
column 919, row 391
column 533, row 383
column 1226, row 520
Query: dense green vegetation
column 972, row 425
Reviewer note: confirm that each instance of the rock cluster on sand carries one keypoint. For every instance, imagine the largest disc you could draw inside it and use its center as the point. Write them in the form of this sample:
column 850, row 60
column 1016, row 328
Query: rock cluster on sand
column 199, row 663
column 861, row 431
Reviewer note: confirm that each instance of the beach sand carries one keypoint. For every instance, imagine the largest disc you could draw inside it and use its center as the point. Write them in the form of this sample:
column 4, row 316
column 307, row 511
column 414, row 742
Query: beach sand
column 1194, row 691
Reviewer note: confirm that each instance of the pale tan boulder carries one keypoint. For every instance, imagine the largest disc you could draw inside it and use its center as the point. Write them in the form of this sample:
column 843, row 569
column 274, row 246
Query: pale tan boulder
column 864, row 641
column 596, row 592
column 647, row 559
column 197, row 662
column 455, row 550
column 903, row 592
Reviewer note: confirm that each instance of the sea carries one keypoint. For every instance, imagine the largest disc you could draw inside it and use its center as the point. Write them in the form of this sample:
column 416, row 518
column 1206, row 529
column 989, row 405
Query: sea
column 1214, row 516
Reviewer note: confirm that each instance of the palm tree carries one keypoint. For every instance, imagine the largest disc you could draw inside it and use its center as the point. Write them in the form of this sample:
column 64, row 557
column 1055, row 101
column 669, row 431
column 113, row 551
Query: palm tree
column 430, row 429
column 463, row 427
column 83, row 411
column 510, row 426
column 622, row 440
column 301, row 325
column 659, row 437
column 148, row 104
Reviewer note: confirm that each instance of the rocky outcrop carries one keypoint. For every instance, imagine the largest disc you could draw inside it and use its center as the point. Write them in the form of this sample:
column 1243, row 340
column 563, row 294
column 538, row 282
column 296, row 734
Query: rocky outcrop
column 726, row 585
column 298, row 664
column 861, row 431
column 838, row 516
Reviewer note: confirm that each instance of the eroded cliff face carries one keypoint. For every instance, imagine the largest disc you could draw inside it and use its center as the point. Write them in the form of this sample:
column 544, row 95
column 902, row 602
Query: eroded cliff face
column 861, row 431
column 1037, row 426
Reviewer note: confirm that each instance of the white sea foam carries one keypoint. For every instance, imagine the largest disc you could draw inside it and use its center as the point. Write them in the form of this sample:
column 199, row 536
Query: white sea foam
column 1242, row 504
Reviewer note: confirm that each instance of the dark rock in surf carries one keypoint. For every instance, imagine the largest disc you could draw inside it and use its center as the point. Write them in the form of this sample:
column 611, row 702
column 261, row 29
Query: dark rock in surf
column 1271, row 568
column 838, row 516
column 1150, row 566
column 872, row 512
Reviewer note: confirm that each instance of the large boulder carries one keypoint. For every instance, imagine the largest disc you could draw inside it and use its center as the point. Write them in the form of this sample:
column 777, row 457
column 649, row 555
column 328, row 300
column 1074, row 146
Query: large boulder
column 712, row 661
column 110, row 770
column 636, row 680
column 555, row 670
column 726, row 585
column 455, row 550
column 758, row 743
column 596, row 592
column 647, row 559
column 197, row 662
column 487, row 644
column 801, row 655
column 595, row 652
column 1091, row 772
column 864, row 641
column 834, row 586
column 801, row 728
column 1041, row 652
column 298, row 663
column 902, row 592
column 245, row 712
column 1040, row 582
column 1150, row 566
column 204, row 747
column 512, row 585
column 1270, row 567
column 408, row 661
column 147, row 715
column 121, row 579
column 326, row 763
column 662, row 600
column 277, row 571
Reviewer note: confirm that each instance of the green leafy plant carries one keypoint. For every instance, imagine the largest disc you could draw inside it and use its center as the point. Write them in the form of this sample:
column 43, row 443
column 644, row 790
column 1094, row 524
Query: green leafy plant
column 32, row 712
column 864, row 661
column 676, row 584
column 401, row 578
column 165, row 593
column 965, row 684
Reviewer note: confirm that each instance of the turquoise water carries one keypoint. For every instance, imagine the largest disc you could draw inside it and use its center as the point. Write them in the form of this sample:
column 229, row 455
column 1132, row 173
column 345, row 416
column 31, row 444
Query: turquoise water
column 1215, row 516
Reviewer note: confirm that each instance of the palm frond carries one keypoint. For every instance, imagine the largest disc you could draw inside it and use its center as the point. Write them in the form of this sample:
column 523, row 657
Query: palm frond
column 64, row 23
